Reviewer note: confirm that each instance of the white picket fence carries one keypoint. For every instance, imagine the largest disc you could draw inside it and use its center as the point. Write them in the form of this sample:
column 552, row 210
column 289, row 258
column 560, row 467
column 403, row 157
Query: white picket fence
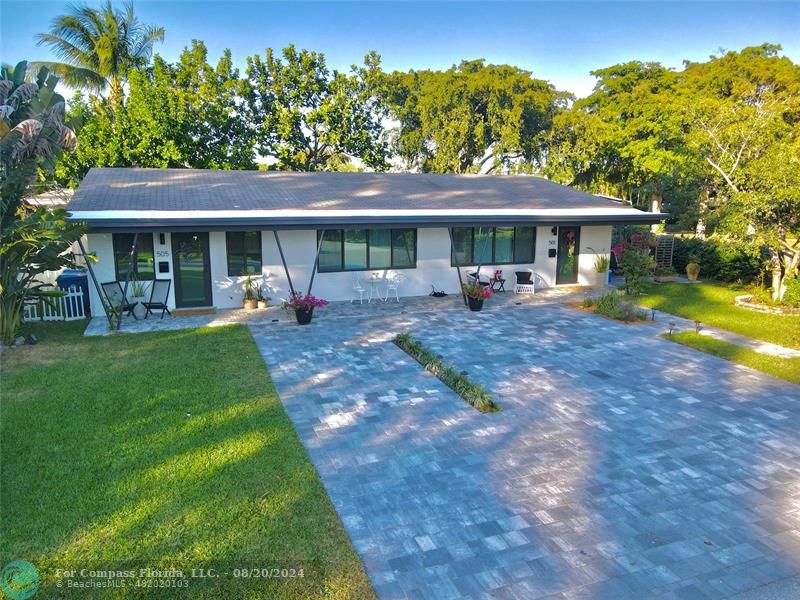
column 68, row 307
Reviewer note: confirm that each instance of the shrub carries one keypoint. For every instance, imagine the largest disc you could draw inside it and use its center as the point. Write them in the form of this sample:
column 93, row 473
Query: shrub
column 720, row 258
column 792, row 294
column 588, row 302
column 634, row 267
column 666, row 271
column 613, row 306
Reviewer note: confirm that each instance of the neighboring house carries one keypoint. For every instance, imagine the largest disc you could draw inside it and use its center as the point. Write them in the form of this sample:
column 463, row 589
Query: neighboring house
column 205, row 230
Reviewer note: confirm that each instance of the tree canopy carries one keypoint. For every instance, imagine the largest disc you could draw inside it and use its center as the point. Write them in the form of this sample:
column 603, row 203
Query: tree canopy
column 307, row 117
column 471, row 117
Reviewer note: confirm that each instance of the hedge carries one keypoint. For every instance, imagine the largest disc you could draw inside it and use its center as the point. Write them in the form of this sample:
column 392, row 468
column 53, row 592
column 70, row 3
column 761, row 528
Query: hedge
column 720, row 258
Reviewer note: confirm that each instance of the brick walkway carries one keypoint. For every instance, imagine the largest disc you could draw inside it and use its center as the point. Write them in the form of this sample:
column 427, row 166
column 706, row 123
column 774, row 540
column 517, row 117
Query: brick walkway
column 621, row 466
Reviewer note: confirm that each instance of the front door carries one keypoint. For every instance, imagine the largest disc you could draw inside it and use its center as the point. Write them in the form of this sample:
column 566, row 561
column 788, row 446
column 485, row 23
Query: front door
column 192, row 270
column 569, row 243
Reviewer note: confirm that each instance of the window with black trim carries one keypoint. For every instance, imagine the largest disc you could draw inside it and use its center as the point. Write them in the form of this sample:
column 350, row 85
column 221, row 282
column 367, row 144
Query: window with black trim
column 143, row 264
column 365, row 249
column 244, row 252
column 493, row 246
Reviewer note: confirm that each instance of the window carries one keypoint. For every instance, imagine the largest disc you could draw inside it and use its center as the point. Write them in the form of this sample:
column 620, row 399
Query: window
column 244, row 252
column 142, row 257
column 493, row 245
column 364, row 249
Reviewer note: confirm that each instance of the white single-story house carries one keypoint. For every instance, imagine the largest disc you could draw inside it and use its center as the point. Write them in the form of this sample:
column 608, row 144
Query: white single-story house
column 207, row 230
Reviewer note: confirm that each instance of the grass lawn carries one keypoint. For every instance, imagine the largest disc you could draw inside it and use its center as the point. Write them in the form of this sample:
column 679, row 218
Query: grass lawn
column 162, row 450
column 712, row 304
column 784, row 368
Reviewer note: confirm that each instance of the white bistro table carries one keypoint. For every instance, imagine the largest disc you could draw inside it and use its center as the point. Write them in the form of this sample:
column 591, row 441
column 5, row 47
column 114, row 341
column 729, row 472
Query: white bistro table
column 373, row 283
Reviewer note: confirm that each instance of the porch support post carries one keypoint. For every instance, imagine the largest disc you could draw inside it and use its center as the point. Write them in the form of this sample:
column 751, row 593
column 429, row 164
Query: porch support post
column 100, row 291
column 283, row 260
column 130, row 268
column 316, row 261
column 458, row 268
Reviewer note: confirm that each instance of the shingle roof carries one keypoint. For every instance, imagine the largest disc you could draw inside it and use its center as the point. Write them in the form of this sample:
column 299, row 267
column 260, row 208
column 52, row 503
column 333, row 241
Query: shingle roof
column 194, row 189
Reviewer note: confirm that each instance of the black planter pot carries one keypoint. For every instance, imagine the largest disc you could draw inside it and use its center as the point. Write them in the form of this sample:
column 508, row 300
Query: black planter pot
column 304, row 317
column 474, row 304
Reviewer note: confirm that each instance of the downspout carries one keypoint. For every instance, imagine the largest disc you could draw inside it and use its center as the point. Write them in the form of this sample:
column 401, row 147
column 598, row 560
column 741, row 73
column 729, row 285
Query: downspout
column 130, row 268
column 458, row 268
column 283, row 260
column 100, row 291
column 316, row 262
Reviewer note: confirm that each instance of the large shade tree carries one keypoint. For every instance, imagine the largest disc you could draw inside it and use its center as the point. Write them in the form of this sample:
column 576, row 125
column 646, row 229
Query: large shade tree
column 32, row 239
column 187, row 114
column 472, row 117
column 99, row 47
column 642, row 150
column 737, row 105
column 306, row 117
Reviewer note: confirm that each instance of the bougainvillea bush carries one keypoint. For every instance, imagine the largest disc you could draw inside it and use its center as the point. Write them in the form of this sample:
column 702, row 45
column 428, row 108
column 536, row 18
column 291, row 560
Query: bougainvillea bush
column 307, row 303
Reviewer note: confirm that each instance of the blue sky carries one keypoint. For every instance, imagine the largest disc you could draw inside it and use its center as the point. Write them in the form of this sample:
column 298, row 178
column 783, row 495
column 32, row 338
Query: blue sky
column 559, row 41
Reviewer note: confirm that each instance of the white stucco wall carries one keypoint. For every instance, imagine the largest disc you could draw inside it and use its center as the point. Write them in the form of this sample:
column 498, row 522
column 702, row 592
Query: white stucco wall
column 593, row 239
column 299, row 246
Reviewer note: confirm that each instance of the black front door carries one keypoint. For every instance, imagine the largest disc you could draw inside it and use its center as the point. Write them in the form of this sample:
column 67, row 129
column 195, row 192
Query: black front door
column 569, row 243
column 192, row 270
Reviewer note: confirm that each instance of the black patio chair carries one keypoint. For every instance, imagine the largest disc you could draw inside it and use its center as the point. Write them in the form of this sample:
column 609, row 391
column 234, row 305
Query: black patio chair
column 473, row 278
column 159, row 296
column 116, row 296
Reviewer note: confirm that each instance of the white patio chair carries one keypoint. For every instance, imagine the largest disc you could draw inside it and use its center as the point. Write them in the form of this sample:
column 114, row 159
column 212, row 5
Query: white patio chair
column 524, row 282
column 393, row 285
column 358, row 289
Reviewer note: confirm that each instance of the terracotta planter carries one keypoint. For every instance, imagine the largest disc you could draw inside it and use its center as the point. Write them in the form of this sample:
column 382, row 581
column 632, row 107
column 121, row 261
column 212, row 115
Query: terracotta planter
column 692, row 271
column 303, row 316
column 475, row 305
column 262, row 304
column 250, row 304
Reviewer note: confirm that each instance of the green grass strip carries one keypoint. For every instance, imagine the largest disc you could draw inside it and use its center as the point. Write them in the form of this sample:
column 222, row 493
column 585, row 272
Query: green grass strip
column 474, row 393
column 783, row 368
column 713, row 305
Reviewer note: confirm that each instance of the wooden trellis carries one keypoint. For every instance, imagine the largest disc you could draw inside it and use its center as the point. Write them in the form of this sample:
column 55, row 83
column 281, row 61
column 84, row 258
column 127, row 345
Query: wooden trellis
column 665, row 244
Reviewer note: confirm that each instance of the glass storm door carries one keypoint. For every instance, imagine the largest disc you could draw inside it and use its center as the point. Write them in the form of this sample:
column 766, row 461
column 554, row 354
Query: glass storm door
column 569, row 239
column 192, row 271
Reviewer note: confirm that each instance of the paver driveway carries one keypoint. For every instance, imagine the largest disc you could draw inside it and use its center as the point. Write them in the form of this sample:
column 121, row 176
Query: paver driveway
column 621, row 465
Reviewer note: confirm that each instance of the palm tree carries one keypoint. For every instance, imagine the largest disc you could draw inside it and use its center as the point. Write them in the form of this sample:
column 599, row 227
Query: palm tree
column 99, row 46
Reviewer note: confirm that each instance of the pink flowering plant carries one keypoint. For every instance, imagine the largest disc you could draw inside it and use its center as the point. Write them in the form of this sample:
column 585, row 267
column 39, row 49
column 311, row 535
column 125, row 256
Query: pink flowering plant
column 307, row 303
column 477, row 291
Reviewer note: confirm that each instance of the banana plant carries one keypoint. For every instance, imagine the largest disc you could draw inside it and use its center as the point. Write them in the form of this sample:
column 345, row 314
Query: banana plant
column 32, row 239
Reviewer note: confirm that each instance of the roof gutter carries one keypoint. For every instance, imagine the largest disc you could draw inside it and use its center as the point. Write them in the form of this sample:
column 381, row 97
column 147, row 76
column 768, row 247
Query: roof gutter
column 341, row 222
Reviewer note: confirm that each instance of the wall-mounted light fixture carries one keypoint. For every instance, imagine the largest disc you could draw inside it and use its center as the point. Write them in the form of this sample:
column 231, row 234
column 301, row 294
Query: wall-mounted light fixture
column 161, row 239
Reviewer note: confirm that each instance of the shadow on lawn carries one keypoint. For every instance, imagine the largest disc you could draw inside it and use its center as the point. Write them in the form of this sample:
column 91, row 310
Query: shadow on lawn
column 165, row 450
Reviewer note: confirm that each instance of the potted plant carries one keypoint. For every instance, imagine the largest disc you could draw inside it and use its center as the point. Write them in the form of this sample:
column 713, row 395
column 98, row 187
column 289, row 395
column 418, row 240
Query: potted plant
column 137, row 296
column 250, row 299
column 261, row 298
column 476, row 294
column 692, row 269
column 666, row 273
column 303, row 306
column 602, row 264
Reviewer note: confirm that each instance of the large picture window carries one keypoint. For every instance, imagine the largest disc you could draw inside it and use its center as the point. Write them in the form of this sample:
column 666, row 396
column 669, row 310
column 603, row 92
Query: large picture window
column 493, row 246
column 142, row 256
column 244, row 252
column 364, row 249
